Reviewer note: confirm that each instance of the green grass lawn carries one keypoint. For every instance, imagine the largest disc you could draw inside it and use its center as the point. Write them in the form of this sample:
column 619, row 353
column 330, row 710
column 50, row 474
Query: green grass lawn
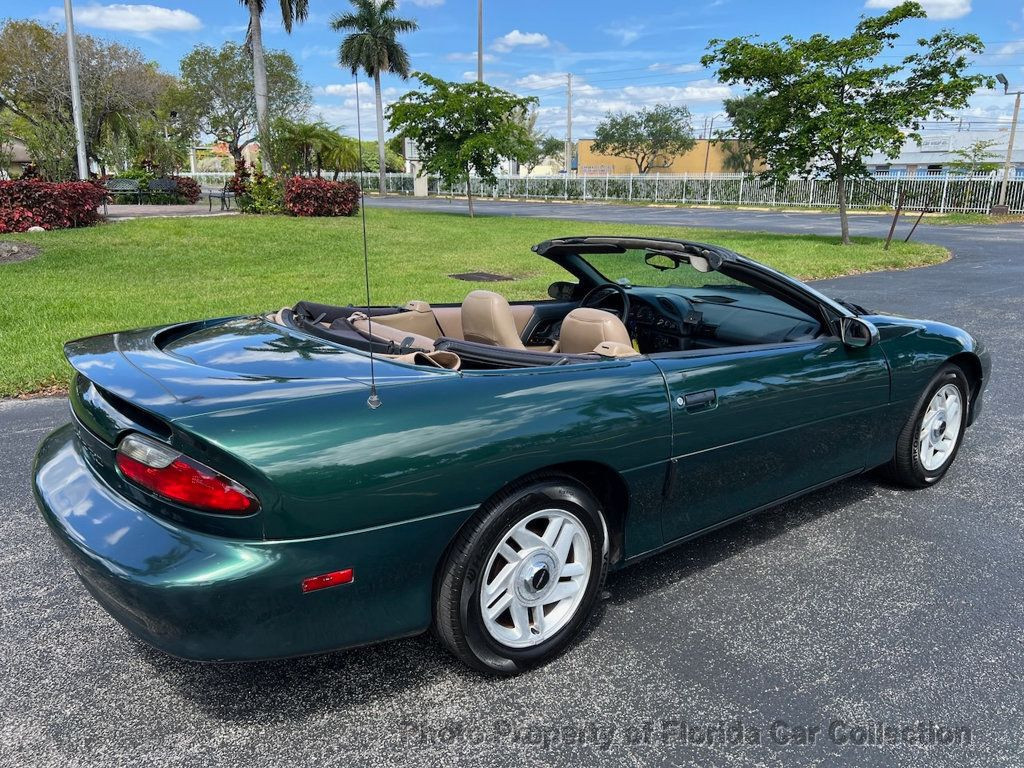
column 149, row 272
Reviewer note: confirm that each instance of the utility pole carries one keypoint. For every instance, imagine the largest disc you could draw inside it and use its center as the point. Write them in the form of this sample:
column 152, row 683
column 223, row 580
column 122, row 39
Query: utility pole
column 568, row 124
column 76, row 94
column 479, row 41
column 707, row 144
column 1002, row 207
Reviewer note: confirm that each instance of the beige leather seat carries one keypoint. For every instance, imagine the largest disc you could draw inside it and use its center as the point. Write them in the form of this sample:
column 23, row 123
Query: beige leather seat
column 487, row 319
column 584, row 330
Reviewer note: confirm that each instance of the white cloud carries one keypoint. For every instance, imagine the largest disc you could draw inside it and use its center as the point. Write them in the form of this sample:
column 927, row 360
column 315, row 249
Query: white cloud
column 936, row 9
column 626, row 34
column 705, row 90
column 537, row 82
column 140, row 19
column 515, row 39
column 553, row 81
column 471, row 56
column 344, row 89
column 318, row 51
column 1012, row 48
column 676, row 68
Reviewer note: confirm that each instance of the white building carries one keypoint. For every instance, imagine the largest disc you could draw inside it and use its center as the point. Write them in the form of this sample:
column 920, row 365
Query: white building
column 936, row 153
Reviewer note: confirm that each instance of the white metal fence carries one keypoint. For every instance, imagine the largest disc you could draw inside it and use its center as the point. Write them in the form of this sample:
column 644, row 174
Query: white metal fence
column 934, row 193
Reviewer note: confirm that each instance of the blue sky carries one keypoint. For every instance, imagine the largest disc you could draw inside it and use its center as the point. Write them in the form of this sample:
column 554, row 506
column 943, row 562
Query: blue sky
column 622, row 55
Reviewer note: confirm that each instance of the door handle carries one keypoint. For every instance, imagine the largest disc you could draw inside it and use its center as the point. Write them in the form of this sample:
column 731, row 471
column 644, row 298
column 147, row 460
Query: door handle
column 698, row 401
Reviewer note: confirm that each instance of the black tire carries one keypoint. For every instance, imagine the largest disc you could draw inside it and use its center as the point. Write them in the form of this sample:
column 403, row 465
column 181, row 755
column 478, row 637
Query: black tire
column 458, row 621
column 905, row 467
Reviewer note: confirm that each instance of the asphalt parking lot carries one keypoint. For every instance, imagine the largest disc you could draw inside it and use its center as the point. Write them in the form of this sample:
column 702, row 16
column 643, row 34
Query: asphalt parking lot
column 856, row 606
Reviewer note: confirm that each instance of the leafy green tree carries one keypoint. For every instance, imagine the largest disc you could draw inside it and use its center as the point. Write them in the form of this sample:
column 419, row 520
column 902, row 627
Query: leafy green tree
column 828, row 103
column 976, row 158
column 372, row 46
column 648, row 137
column 291, row 11
column 542, row 146
column 740, row 154
column 300, row 145
column 119, row 89
column 462, row 128
column 216, row 94
column 396, row 144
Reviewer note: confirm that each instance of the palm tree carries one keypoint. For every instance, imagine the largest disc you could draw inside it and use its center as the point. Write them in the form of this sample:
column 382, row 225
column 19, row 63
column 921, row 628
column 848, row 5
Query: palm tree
column 372, row 47
column 291, row 11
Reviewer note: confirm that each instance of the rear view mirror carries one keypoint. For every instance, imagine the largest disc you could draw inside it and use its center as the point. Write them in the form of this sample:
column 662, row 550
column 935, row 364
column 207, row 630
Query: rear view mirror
column 857, row 332
column 660, row 261
column 562, row 291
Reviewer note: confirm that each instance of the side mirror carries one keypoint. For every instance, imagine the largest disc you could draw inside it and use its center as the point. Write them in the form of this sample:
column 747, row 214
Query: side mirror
column 562, row 291
column 857, row 332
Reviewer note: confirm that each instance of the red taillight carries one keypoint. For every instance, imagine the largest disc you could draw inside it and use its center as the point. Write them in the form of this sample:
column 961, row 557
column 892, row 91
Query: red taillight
column 176, row 477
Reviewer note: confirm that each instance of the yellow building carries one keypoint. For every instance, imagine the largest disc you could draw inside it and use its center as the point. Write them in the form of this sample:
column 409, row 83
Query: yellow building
column 593, row 164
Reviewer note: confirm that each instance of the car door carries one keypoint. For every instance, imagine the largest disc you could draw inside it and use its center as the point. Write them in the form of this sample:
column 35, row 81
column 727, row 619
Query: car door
column 755, row 425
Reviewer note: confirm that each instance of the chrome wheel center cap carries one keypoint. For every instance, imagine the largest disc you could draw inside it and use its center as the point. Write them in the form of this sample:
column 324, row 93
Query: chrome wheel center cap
column 536, row 576
column 938, row 427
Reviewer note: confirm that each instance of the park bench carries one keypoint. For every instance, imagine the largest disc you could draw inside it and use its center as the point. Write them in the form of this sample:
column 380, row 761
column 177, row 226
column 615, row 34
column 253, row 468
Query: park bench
column 162, row 187
column 129, row 187
column 224, row 194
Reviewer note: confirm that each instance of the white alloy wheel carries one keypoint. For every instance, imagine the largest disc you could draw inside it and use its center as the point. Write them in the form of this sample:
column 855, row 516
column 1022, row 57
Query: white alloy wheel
column 535, row 578
column 940, row 427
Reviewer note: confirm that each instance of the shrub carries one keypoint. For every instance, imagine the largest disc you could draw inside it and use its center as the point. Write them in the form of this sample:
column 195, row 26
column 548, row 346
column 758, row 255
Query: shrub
column 263, row 194
column 239, row 184
column 320, row 197
column 188, row 189
column 50, row 205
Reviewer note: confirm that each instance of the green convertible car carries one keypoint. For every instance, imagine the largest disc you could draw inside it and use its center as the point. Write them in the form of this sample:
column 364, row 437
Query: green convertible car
column 323, row 477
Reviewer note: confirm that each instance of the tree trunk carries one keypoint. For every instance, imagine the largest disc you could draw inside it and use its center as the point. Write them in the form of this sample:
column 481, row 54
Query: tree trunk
column 259, row 78
column 844, row 221
column 469, row 192
column 380, row 137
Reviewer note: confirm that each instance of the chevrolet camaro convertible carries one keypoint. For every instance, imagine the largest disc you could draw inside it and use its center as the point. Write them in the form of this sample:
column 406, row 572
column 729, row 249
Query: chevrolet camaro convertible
column 323, row 477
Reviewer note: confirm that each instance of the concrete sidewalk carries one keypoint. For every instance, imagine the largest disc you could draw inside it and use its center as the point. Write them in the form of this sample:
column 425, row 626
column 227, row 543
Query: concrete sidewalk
column 147, row 211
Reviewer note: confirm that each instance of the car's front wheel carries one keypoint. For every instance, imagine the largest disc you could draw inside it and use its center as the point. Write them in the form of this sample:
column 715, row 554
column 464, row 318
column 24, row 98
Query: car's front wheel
column 931, row 438
column 523, row 576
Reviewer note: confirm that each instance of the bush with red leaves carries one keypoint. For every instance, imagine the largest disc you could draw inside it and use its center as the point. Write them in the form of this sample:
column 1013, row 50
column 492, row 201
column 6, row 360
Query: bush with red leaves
column 28, row 203
column 239, row 183
column 188, row 189
column 320, row 197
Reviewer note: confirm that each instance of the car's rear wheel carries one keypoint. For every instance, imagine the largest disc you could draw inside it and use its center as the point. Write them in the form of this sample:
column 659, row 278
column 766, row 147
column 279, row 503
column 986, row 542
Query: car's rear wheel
column 522, row 578
column 931, row 438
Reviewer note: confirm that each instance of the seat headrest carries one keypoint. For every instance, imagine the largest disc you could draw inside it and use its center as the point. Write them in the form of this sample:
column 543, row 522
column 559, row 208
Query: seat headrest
column 487, row 319
column 584, row 329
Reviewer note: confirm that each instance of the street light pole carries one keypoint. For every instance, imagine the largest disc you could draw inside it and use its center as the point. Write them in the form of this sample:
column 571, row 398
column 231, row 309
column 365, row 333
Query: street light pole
column 76, row 94
column 1009, row 144
column 568, row 124
column 479, row 41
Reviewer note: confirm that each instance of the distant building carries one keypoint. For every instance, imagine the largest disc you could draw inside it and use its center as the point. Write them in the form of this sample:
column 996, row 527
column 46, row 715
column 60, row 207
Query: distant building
column 19, row 159
column 936, row 155
column 702, row 156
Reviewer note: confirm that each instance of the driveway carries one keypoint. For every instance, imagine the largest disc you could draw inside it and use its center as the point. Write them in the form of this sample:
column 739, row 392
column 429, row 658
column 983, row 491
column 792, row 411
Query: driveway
column 823, row 621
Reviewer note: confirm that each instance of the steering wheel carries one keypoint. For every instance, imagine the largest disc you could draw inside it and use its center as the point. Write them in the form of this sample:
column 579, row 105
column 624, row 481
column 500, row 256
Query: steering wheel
column 600, row 294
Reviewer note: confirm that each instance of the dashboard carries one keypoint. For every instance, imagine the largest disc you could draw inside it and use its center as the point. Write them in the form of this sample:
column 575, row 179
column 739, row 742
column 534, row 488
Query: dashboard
column 672, row 319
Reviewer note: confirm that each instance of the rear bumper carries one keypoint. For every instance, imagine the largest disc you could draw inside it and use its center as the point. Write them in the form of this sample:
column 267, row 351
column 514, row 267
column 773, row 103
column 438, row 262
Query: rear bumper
column 210, row 598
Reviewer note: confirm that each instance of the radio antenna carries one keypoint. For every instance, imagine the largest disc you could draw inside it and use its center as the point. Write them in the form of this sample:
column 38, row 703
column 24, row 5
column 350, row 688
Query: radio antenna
column 373, row 401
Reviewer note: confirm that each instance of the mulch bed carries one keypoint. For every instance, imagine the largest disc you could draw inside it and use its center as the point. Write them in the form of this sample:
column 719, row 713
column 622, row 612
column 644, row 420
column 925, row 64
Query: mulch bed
column 12, row 252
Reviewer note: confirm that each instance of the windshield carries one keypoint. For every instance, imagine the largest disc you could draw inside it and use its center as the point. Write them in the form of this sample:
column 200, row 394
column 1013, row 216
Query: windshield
column 655, row 270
